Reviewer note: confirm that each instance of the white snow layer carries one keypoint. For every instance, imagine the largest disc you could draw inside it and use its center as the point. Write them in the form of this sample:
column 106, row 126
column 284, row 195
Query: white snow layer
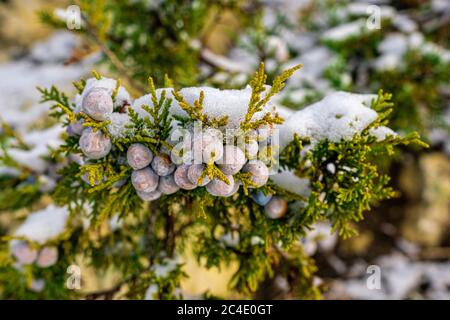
column 345, row 31
column 44, row 225
column 338, row 116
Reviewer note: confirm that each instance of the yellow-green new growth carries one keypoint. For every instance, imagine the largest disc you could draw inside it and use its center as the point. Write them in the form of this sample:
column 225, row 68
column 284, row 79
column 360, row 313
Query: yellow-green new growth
column 257, row 103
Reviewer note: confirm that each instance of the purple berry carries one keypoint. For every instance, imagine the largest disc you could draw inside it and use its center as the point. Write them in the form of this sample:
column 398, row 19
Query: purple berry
column 47, row 257
column 98, row 104
column 220, row 188
column 181, row 178
column 194, row 173
column 144, row 180
column 232, row 161
column 75, row 128
column 94, row 144
column 149, row 196
column 260, row 198
column 167, row 185
column 139, row 156
column 276, row 208
column 162, row 165
column 207, row 147
column 259, row 172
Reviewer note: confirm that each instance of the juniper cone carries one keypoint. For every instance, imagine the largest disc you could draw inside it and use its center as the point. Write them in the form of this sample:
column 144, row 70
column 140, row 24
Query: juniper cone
column 167, row 185
column 75, row 128
column 94, row 144
column 162, row 165
column 208, row 146
column 149, row 196
column 276, row 208
column 98, row 104
column 260, row 198
column 220, row 188
column 264, row 132
column 194, row 173
column 144, row 180
column 232, row 161
column 139, row 156
column 259, row 172
column 47, row 257
column 181, row 178
column 23, row 253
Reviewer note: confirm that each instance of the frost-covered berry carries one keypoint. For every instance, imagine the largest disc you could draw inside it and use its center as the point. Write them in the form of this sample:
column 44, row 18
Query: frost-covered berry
column 260, row 198
column 47, row 257
column 149, row 196
column 23, row 253
column 194, row 173
column 220, row 188
column 144, row 180
column 208, row 146
column 276, row 208
column 251, row 149
column 259, row 172
column 94, row 144
column 181, row 178
column 264, row 132
column 167, row 185
column 162, row 165
column 232, row 161
column 75, row 128
column 98, row 104
column 139, row 156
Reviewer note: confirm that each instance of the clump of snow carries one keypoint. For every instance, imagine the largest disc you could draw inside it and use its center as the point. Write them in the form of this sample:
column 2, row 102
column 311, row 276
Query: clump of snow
column 44, row 225
column 366, row 9
column 292, row 183
column 331, row 168
column 146, row 100
column 396, row 45
column 338, row 116
column 230, row 239
column 401, row 278
column 218, row 103
column 405, row 23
